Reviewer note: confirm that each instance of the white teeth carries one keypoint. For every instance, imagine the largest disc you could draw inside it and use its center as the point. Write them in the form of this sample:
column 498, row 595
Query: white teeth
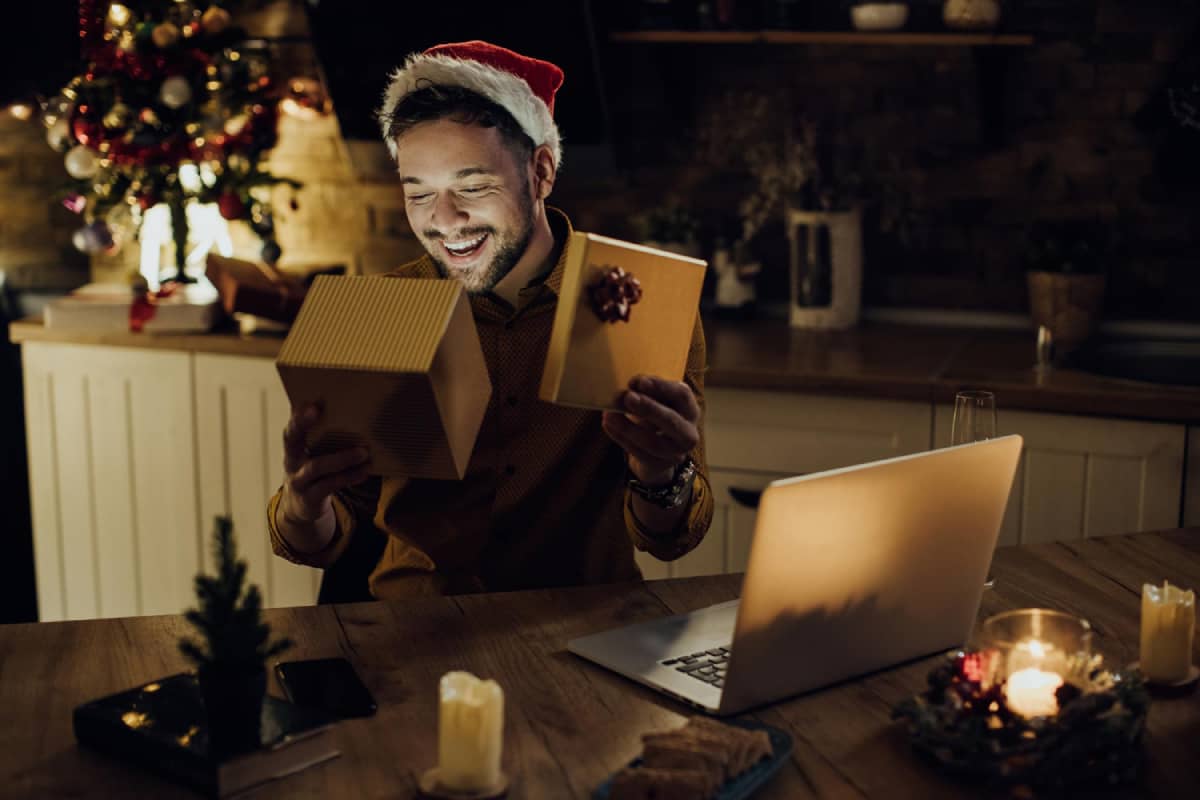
column 462, row 247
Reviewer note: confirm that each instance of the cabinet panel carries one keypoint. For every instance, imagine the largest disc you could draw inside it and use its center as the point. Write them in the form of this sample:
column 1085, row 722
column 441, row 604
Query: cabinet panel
column 793, row 434
column 241, row 412
column 1087, row 476
column 113, row 479
column 726, row 547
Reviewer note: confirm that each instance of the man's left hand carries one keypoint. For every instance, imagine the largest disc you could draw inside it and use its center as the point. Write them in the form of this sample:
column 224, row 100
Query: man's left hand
column 658, row 429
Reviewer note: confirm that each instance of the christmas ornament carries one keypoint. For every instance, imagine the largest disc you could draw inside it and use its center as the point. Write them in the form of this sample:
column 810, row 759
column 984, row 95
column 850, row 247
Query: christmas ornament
column 214, row 20
column 93, row 238
column 231, row 206
column 81, row 163
column 57, row 107
column 59, row 135
column 306, row 99
column 271, row 251
column 75, row 203
column 175, row 92
column 181, row 14
column 119, row 116
column 165, row 35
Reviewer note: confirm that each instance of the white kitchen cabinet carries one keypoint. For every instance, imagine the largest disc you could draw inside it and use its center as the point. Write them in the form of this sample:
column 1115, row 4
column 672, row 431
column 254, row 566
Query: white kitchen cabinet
column 241, row 410
column 1087, row 476
column 132, row 453
column 755, row 437
column 1191, row 488
column 112, row 479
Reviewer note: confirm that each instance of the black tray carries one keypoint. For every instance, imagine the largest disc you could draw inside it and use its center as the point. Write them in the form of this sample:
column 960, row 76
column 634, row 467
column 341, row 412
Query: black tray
column 749, row 781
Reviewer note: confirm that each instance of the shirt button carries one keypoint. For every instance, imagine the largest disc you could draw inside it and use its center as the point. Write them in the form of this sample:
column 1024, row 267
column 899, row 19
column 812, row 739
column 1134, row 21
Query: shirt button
column 510, row 470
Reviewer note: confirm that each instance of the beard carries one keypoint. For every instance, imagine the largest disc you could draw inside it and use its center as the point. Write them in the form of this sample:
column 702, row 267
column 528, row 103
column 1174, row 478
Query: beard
column 510, row 246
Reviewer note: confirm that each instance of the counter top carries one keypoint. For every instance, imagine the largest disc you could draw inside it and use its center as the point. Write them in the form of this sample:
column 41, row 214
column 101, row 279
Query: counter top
column 887, row 361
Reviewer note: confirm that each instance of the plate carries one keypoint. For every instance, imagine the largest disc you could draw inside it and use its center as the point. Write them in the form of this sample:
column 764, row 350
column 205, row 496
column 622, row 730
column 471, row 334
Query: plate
column 748, row 782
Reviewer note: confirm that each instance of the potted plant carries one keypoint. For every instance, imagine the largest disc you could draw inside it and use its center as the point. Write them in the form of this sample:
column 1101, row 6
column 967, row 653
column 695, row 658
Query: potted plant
column 1067, row 261
column 234, row 646
column 671, row 227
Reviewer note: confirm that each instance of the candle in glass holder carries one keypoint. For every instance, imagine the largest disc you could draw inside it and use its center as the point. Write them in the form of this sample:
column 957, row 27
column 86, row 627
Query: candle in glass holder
column 1168, row 626
column 1030, row 692
column 470, row 733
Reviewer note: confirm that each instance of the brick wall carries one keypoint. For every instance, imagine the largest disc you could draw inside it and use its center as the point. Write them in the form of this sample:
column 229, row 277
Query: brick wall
column 35, row 233
column 1069, row 146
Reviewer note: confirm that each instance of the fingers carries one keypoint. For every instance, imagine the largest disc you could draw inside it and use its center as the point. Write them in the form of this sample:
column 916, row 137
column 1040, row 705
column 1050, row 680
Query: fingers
column 664, row 421
column 301, row 421
column 642, row 443
column 323, row 488
column 315, row 469
column 673, row 394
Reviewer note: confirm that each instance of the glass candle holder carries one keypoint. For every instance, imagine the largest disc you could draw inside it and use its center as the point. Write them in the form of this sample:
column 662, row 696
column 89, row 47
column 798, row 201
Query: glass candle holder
column 1032, row 653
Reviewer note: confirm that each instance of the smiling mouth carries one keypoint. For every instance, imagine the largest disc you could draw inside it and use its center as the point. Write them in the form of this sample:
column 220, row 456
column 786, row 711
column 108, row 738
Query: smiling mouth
column 466, row 248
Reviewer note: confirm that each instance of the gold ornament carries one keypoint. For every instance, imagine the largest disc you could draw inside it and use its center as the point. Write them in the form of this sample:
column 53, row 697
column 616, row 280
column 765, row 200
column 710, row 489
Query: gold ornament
column 165, row 35
column 118, row 116
column 214, row 20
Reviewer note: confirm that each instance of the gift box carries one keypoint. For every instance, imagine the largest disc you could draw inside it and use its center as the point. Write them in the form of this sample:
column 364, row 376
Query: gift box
column 623, row 310
column 105, row 307
column 396, row 366
column 250, row 287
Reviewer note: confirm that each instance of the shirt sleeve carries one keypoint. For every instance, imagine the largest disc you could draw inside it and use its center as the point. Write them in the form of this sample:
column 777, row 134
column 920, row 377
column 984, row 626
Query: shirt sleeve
column 349, row 505
column 695, row 523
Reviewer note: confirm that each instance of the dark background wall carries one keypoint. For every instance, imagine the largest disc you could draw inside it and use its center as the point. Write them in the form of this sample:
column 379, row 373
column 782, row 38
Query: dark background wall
column 1071, row 126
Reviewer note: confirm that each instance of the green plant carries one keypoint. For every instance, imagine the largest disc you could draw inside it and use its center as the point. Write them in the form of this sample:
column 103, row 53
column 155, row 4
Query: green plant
column 671, row 222
column 1071, row 246
column 229, row 619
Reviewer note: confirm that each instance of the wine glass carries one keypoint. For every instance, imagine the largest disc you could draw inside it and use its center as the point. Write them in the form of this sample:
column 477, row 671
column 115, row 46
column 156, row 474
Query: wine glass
column 974, row 421
column 974, row 417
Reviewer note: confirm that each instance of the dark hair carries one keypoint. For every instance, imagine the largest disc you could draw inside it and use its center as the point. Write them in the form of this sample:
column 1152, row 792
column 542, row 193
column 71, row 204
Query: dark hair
column 435, row 101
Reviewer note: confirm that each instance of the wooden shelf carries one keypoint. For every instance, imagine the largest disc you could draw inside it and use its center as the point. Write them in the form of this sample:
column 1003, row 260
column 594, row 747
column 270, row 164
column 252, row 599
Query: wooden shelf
column 949, row 39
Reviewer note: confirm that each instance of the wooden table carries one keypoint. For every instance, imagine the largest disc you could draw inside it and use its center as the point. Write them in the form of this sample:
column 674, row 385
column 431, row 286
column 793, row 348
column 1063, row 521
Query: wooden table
column 570, row 723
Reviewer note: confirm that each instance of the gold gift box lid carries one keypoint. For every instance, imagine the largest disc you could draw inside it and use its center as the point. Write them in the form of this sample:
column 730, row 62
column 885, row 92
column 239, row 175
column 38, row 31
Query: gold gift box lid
column 396, row 366
column 589, row 362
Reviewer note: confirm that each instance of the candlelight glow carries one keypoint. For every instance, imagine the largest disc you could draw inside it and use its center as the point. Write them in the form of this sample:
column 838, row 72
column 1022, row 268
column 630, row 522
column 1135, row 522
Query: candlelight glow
column 1031, row 692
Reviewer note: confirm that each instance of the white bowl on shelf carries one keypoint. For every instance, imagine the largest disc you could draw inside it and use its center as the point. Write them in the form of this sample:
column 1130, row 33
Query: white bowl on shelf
column 879, row 16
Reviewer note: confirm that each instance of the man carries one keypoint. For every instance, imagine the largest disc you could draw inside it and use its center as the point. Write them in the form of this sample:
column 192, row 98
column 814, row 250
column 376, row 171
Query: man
column 552, row 495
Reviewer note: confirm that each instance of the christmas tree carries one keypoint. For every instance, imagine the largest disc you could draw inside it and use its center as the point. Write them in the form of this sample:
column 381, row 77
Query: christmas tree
column 174, row 107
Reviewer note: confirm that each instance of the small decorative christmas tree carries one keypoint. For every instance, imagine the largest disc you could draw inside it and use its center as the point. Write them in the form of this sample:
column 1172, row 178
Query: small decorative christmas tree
column 231, row 658
column 229, row 619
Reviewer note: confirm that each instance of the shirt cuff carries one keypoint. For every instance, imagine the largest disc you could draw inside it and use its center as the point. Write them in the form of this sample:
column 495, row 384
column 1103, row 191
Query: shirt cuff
column 343, row 530
column 688, row 532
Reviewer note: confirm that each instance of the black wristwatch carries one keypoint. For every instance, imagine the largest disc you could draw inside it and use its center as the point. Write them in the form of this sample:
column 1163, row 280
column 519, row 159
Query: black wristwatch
column 672, row 494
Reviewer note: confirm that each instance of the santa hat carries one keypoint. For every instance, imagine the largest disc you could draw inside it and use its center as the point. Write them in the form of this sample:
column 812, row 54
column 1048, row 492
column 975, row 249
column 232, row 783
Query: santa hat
column 522, row 86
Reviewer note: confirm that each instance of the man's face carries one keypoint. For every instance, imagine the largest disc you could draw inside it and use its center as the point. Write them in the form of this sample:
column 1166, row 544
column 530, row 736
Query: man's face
column 468, row 200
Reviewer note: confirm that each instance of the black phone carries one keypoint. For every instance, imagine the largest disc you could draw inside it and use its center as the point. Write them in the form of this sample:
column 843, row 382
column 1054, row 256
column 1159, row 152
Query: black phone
column 328, row 684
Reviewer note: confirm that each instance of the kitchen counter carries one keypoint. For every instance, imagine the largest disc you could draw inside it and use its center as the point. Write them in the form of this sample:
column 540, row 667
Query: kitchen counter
column 888, row 361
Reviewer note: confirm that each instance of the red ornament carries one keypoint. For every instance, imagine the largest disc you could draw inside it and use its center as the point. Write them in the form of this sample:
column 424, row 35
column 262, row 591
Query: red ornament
column 231, row 206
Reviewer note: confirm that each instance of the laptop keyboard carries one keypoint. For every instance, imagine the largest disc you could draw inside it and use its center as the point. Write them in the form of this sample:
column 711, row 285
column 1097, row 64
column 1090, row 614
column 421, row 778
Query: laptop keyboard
column 705, row 665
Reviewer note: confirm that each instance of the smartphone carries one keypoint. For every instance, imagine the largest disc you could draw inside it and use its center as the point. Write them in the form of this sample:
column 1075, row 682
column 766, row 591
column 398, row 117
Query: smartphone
column 328, row 684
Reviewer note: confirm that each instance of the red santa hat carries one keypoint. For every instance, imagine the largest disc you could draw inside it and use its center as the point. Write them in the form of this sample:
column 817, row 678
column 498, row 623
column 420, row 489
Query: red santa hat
column 523, row 86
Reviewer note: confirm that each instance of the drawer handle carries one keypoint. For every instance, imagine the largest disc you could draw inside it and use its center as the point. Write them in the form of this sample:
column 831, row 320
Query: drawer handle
column 745, row 497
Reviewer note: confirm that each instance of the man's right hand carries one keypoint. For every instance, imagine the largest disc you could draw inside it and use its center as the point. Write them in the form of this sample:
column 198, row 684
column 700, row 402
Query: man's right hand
column 310, row 481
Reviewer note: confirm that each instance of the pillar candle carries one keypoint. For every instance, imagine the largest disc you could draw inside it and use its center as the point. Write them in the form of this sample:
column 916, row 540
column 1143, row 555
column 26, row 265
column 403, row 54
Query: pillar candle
column 470, row 732
column 1168, row 625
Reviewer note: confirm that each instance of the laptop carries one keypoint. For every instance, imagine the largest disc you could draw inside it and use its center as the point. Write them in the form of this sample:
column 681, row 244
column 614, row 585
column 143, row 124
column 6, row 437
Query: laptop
column 850, row 571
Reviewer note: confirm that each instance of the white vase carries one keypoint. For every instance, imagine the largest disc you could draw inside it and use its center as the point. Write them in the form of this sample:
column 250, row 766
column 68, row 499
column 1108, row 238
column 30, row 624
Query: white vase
column 826, row 268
